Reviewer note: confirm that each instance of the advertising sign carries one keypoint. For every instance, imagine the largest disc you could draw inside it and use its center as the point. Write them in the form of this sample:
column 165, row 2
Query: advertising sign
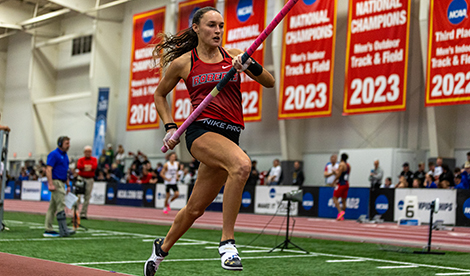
column 268, row 200
column 357, row 203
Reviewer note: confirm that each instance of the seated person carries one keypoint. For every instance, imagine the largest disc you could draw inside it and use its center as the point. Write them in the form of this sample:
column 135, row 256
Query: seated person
column 429, row 182
column 402, row 183
column 387, row 183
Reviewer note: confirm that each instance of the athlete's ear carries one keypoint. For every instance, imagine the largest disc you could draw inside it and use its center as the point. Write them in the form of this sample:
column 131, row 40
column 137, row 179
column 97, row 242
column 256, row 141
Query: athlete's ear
column 195, row 28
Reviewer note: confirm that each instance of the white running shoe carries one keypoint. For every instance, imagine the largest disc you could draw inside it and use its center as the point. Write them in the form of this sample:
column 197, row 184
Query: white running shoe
column 151, row 265
column 229, row 257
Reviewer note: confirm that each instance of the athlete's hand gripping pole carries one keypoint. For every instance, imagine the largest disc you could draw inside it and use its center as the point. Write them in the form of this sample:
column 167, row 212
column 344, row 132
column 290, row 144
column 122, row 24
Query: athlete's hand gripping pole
column 232, row 71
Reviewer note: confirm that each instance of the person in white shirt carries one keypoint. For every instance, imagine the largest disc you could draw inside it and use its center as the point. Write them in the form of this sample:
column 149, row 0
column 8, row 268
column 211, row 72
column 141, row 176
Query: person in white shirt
column 438, row 168
column 274, row 175
column 330, row 170
column 387, row 183
column 169, row 174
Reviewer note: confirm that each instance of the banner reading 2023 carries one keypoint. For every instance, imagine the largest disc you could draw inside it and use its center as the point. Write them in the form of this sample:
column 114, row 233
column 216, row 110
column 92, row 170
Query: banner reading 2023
column 181, row 105
column 143, row 80
column 448, row 69
column 307, row 60
column 376, row 56
column 244, row 21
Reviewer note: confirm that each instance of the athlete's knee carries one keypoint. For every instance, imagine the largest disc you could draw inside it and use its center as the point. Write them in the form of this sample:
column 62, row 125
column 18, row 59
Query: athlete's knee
column 194, row 212
column 243, row 169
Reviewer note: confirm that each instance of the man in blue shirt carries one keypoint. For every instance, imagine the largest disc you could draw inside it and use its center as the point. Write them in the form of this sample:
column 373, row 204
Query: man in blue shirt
column 56, row 172
column 465, row 181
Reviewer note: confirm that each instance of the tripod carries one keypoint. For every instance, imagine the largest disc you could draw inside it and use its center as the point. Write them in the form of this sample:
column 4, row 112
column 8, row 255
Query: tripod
column 75, row 217
column 285, row 244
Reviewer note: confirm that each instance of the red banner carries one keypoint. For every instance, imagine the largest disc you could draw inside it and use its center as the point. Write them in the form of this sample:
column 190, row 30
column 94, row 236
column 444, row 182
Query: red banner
column 447, row 75
column 141, row 113
column 376, row 56
column 244, row 21
column 307, row 60
column 181, row 104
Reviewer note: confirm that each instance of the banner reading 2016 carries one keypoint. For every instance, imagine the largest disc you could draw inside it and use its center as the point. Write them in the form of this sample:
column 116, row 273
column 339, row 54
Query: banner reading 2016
column 448, row 69
column 181, row 104
column 143, row 81
column 244, row 21
column 376, row 56
column 307, row 60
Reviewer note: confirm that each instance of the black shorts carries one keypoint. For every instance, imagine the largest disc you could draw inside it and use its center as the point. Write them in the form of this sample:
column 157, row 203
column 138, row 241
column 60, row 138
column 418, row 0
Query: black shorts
column 173, row 187
column 198, row 128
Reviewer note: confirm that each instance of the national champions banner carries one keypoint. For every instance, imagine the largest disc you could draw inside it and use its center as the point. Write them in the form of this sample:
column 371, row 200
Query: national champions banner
column 376, row 56
column 141, row 113
column 447, row 75
column 101, row 121
column 307, row 60
column 244, row 21
column 181, row 104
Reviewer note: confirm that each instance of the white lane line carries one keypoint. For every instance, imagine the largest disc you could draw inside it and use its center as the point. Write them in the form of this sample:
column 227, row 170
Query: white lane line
column 194, row 260
column 345, row 261
column 455, row 273
column 397, row 266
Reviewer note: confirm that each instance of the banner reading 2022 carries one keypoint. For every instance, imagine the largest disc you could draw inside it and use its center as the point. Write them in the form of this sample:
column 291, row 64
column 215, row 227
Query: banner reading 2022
column 181, row 105
column 143, row 80
column 244, row 21
column 448, row 69
column 307, row 60
column 376, row 56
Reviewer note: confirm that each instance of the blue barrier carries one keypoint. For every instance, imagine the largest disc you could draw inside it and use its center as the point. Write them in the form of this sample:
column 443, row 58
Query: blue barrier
column 357, row 203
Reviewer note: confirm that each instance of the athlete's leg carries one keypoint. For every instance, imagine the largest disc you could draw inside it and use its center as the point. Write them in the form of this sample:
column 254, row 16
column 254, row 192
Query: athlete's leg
column 175, row 196
column 204, row 192
column 336, row 201
column 218, row 152
column 167, row 196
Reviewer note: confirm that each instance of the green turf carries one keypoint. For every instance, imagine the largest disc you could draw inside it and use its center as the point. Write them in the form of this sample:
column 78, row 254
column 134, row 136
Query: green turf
column 128, row 245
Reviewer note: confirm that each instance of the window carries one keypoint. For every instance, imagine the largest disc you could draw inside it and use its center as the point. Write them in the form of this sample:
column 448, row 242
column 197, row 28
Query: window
column 81, row 45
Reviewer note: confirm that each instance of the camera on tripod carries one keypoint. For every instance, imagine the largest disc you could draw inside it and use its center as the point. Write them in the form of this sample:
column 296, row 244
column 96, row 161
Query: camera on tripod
column 79, row 186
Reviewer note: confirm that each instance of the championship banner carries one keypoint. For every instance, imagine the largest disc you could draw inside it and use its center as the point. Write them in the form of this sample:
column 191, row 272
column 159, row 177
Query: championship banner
column 447, row 75
column 307, row 60
column 181, row 105
column 376, row 56
column 101, row 121
column 141, row 113
column 244, row 21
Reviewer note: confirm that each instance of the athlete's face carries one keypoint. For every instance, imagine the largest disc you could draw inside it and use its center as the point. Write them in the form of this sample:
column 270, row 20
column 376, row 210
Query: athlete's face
column 210, row 29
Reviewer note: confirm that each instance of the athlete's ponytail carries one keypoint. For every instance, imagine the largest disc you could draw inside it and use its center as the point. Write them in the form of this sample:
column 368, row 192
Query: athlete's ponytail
column 171, row 47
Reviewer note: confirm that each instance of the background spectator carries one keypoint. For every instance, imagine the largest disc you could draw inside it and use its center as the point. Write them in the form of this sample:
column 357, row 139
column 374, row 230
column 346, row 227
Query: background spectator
column 274, row 175
column 254, row 174
column 420, row 174
column 438, row 168
column 402, row 182
column 407, row 174
column 464, row 178
column 298, row 175
column 429, row 182
column 110, row 154
column 388, row 183
column 330, row 170
column 467, row 163
column 376, row 176
column 446, row 178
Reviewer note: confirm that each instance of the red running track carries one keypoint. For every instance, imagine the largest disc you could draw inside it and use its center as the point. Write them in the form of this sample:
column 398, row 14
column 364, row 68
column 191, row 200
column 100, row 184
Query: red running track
column 319, row 228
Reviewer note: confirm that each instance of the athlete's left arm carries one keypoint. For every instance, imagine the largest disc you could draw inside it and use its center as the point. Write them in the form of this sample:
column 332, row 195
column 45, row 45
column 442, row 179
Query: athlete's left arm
column 265, row 78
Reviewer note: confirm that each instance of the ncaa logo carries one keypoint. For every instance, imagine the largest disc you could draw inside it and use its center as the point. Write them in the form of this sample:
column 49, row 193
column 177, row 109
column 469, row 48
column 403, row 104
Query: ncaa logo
column 246, row 199
column 110, row 193
column 244, row 10
column 466, row 208
column 457, row 11
column 149, row 195
column 307, row 201
column 148, row 31
column 272, row 193
column 309, row 2
column 381, row 204
column 401, row 203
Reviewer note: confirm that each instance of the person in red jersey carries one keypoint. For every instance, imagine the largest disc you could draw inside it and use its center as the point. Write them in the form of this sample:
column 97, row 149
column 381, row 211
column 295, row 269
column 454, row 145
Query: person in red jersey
column 342, row 186
column 86, row 166
column 195, row 55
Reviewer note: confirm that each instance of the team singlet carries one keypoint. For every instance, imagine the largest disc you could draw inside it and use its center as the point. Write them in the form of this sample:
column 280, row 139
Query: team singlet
column 344, row 177
column 203, row 77
column 171, row 173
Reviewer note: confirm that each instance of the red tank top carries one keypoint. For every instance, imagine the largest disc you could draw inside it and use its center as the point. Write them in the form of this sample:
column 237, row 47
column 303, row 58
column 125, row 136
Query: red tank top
column 203, row 77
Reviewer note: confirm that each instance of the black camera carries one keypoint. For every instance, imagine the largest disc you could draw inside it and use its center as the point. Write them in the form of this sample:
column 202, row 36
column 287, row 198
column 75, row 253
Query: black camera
column 79, row 186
